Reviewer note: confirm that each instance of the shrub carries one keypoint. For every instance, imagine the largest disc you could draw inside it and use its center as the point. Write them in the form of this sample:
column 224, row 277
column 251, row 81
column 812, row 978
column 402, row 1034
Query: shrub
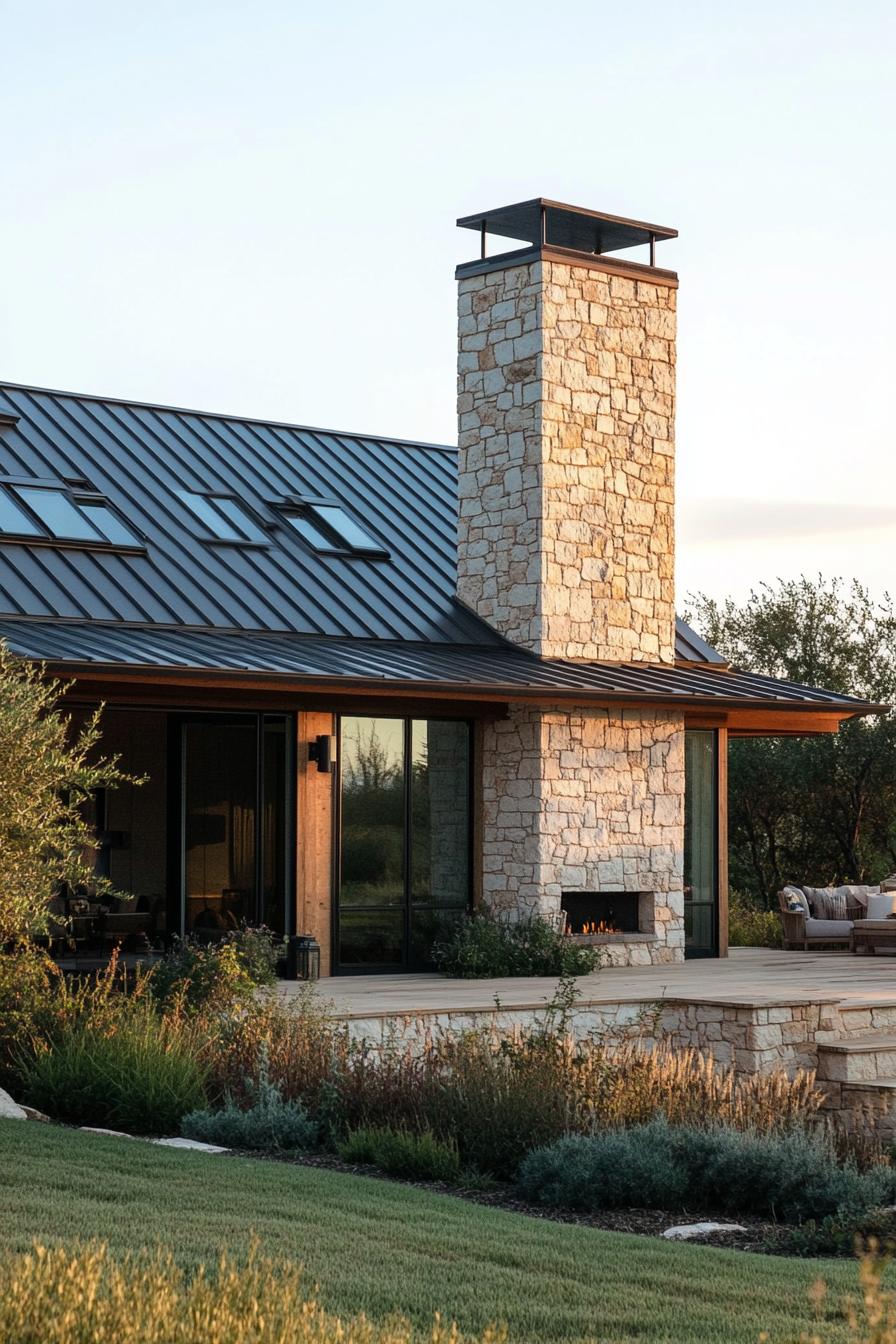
column 269, row 1124
column 301, row 1047
column 64, row 1296
column 215, row 975
column 482, row 946
column 495, row 1094
column 28, row 980
column 749, row 926
column 49, row 771
column 838, row 1234
column 129, row 1070
column 792, row 1176
column 420, row 1157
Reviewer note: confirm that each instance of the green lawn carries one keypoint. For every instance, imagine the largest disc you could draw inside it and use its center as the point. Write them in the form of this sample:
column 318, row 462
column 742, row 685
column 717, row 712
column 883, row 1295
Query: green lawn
column 379, row 1247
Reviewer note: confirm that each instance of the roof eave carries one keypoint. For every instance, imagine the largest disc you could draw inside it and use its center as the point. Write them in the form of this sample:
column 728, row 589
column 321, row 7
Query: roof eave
column 296, row 681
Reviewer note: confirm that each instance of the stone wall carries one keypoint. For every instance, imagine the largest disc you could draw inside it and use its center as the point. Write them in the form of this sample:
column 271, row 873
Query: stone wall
column 747, row 1037
column 566, row 381
column 586, row 800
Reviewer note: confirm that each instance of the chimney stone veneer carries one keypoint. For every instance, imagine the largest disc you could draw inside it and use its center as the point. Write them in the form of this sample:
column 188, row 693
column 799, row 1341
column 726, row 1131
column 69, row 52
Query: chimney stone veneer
column 566, row 547
column 566, row 384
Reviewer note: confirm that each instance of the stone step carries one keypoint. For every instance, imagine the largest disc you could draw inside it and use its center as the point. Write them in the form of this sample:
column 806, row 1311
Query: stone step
column 858, row 1059
column 870, row 1107
column 859, row 1019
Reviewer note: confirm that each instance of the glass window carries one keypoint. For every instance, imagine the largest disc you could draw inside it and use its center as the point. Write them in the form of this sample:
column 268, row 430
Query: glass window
column 405, row 837
column 57, row 512
column 220, row 798
column 224, row 517
column 700, row 865
column 372, row 811
column 440, row 817
column 336, row 518
column 308, row 532
column 14, row 521
column 109, row 524
column 235, row 513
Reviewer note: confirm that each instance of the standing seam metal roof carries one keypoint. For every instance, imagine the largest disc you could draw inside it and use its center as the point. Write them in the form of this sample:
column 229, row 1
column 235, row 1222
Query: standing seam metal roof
column 493, row 670
column 138, row 455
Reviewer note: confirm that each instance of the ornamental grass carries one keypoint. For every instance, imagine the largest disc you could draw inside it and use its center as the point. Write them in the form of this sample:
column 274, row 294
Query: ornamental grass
column 494, row 1093
column 84, row 1296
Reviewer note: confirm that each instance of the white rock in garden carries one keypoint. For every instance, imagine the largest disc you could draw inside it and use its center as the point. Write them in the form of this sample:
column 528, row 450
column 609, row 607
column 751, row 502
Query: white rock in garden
column 688, row 1230
column 108, row 1133
column 9, row 1109
column 191, row 1143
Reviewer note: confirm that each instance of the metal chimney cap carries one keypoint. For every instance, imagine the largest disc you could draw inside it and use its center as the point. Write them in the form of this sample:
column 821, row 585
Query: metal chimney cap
column 541, row 222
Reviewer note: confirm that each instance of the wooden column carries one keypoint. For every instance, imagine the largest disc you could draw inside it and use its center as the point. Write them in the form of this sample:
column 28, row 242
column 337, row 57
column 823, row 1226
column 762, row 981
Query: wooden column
column 314, row 839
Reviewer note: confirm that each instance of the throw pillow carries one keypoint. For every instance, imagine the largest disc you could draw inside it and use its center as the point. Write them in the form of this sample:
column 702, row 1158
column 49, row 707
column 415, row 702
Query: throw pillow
column 795, row 900
column 834, row 902
column 882, row 906
column 813, row 897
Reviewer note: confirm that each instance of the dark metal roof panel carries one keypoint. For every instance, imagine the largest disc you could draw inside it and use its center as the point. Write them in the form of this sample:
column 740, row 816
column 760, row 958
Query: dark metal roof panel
column 500, row 670
column 690, row 648
column 138, row 455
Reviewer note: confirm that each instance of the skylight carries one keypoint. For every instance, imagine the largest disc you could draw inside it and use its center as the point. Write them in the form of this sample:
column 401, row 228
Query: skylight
column 50, row 511
column 58, row 514
column 336, row 518
column 224, row 517
column 329, row 528
column 14, row 521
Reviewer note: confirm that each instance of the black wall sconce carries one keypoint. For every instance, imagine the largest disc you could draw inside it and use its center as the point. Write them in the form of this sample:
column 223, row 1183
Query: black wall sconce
column 323, row 752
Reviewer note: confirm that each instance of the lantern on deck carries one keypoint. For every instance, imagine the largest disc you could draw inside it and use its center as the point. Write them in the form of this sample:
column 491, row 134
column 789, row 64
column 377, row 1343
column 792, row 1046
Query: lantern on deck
column 303, row 958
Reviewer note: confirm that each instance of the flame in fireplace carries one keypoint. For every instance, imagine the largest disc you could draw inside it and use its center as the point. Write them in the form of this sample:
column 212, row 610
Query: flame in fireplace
column 590, row 927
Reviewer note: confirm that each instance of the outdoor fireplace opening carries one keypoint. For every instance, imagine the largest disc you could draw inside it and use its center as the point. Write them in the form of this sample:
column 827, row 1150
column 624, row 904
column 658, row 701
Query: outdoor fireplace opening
column 596, row 913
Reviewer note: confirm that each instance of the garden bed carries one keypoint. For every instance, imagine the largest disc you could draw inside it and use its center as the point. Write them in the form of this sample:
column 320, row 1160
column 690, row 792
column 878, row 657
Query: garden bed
column 759, row 1234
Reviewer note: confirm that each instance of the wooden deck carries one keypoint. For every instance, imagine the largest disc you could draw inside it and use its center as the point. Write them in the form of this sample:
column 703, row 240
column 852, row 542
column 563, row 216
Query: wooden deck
column 749, row 976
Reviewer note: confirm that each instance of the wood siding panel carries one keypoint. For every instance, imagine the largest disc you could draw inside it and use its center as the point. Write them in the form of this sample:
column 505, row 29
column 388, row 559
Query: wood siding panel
column 314, row 839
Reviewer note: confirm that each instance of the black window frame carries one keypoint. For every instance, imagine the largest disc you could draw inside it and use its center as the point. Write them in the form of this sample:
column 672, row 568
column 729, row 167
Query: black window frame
column 76, row 497
column 259, row 540
column 696, row 951
column 307, row 506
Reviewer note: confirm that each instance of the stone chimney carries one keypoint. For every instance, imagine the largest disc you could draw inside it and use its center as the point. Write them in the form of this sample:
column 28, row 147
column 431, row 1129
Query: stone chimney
column 566, row 392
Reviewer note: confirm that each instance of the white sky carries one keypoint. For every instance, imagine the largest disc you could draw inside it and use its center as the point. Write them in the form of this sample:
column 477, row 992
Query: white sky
column 250, row 207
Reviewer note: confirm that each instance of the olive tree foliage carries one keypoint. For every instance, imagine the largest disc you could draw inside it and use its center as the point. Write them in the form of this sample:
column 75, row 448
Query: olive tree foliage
column 48, row 773
column 814, row 810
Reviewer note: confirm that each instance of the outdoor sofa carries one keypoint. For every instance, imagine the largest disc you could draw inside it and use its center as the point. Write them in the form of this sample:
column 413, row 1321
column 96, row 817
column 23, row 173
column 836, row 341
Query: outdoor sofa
column 825, row 916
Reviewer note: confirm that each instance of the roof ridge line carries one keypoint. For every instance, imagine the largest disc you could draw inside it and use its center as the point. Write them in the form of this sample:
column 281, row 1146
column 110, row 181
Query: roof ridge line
column 223, row 415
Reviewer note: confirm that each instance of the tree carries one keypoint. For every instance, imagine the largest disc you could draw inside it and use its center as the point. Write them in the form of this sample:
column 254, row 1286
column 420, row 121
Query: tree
column 47, row 781
column 815, row 810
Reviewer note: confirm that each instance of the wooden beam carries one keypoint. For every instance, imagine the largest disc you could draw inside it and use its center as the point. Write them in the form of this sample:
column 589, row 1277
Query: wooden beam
column 139, row 696
column 165, row 688
column 784, row 723
column 694, row 718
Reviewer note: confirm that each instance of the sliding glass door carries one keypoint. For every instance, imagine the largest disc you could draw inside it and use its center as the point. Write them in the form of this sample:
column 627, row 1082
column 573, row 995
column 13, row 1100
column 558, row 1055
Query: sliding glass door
column 701, row 867
column 234, row 839
column 403, row 838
